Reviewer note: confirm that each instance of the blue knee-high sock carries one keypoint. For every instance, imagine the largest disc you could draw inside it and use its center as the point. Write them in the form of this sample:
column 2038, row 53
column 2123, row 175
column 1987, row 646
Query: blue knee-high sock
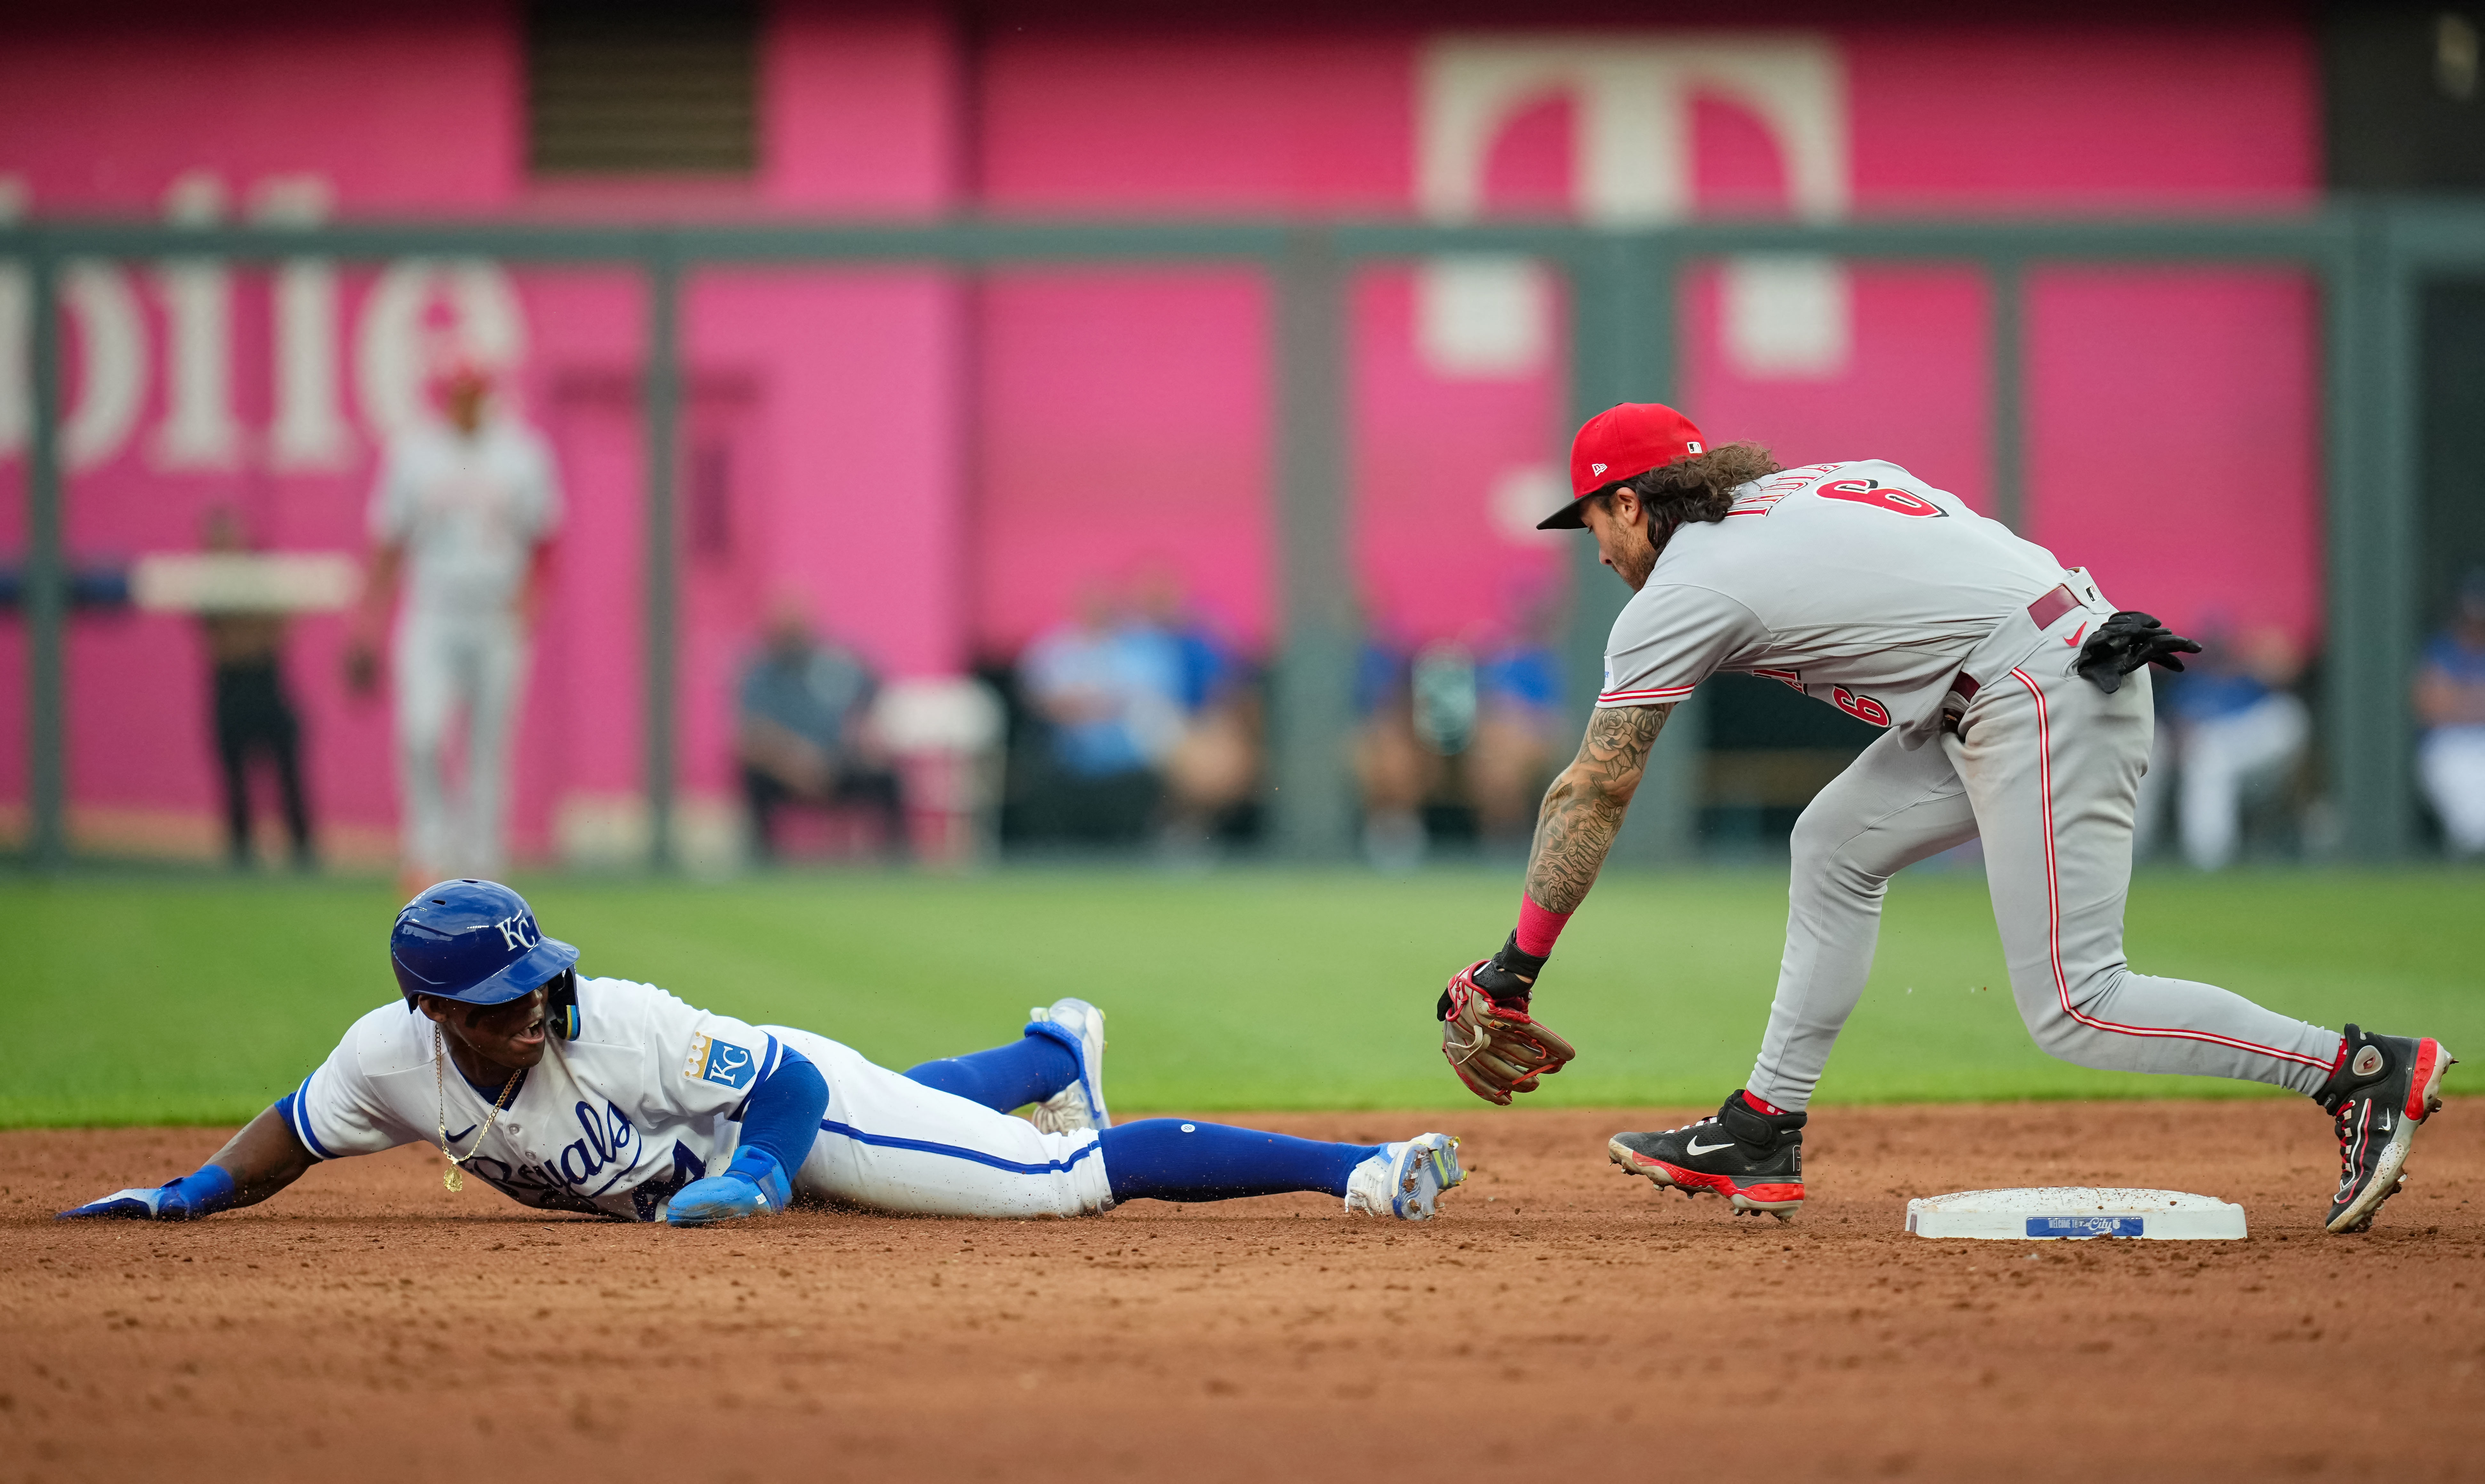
column 1027, row 1071
column 1166, row 1159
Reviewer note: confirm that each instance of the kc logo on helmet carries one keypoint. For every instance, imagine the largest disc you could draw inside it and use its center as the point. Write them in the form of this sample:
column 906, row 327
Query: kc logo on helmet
column 518, row 931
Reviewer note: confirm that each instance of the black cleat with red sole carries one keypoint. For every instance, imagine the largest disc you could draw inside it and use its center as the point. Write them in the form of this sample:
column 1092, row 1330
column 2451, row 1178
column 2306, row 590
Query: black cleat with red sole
column 2385, row 1088
column 1754, row 1159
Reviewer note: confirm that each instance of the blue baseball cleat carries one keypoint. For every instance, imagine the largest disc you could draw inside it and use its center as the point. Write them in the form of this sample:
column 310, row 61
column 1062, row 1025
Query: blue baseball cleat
column 754, row 1185
column 1406, row 1180
column 1082, row 1104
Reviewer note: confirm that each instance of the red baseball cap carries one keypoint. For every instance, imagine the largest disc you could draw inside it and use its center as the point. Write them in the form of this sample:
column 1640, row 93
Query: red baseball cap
column 1618, row 444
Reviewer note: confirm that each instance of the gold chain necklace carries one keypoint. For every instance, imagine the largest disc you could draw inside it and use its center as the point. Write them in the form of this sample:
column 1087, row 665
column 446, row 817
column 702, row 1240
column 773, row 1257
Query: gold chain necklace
column 452, row 1176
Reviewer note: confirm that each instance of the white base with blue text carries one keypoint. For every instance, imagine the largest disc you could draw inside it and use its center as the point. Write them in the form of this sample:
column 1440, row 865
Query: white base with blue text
column 2061, row 1211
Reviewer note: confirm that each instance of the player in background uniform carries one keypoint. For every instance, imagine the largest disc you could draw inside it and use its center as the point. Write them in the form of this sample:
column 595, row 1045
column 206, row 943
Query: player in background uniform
column 461, row 518
column 615, row 1098
column 2450, row 704
column 2016, row 702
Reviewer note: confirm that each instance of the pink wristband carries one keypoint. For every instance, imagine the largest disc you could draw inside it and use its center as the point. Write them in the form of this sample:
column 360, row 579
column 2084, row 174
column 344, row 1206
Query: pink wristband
column 1537, row 927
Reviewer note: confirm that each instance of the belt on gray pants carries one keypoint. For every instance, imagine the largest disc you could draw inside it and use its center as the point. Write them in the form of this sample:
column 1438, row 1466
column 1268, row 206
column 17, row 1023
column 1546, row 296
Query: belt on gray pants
column 2042, row 613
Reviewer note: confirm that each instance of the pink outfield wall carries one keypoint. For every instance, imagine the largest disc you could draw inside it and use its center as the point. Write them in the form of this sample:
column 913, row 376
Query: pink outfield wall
column 825, row 404
column 942, row 468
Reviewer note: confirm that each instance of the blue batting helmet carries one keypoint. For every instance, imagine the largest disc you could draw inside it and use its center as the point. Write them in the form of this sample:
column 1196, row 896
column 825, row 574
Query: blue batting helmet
column 474, row 942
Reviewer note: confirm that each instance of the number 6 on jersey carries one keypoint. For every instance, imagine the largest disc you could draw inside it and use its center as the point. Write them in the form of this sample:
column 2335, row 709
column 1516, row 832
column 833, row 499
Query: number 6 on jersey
column 1872, row 492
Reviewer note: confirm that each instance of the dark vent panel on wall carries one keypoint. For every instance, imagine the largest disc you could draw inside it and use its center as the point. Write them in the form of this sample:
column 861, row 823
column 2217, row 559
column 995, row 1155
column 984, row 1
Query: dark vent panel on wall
column 638, row 88
column 2406, row 96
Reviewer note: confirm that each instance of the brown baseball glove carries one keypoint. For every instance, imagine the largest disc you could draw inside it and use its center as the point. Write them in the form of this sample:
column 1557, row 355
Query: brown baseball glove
column 1495, row 1045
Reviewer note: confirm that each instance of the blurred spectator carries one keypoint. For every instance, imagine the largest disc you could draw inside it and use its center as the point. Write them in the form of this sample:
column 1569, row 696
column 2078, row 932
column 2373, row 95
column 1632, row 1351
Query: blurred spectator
column 801, row 733
column 1108, row 690
column 2450, row 703
column 254, row 716
column 464, row 510
column 1395, row 771
column 1447, row 745
column 1212, row 768
column 2235, row 730
column 1519, row 733
column 1204, row 669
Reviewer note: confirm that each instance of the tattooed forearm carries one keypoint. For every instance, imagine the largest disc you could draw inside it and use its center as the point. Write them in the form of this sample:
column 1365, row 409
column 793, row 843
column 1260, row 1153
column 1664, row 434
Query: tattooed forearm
column 1585, row 806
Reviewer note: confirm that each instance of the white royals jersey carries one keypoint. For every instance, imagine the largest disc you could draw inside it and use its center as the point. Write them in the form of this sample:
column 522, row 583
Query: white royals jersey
column 1856, row 583
column 641, row 1103
column 468, row 511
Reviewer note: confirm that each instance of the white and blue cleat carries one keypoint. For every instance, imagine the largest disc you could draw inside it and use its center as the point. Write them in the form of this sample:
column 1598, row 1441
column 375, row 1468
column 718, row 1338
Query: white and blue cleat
column 1406, row 1180
column 1080, row 1104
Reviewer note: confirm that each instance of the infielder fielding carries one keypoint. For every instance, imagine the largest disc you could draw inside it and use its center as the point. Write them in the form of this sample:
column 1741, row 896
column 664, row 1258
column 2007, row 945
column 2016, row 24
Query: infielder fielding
column 2017, row 709
column 464, row 510
column 615, row 1098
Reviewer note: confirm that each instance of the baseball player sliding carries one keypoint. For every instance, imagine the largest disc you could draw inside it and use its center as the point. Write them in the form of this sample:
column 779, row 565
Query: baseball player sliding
column 615, row 1098
column 2016, row 703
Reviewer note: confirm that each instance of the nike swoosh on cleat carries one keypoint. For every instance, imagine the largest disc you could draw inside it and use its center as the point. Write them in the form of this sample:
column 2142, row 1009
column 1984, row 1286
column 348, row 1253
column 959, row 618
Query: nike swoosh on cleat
column 1696, row 1148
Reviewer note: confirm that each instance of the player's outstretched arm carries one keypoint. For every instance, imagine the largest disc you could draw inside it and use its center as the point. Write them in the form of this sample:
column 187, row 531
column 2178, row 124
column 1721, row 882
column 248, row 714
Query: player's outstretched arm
column 1489, row 1033
column 777, row 1125
column 1585, row 806
column 255, row 1164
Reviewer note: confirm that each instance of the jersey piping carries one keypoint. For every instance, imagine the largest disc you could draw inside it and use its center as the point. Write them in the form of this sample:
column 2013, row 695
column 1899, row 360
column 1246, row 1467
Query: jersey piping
column 953, row 1151
column 1658, row 695
column 300, row 1115
column 769, row 1062
column 2054, row 910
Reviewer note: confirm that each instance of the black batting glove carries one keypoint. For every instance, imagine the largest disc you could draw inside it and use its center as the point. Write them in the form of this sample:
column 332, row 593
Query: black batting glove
column 1509, row 977
column 2126, row 641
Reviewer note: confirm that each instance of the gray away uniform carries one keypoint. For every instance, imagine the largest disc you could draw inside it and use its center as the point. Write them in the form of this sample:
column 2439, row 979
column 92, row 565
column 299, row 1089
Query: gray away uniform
column 1860, row 585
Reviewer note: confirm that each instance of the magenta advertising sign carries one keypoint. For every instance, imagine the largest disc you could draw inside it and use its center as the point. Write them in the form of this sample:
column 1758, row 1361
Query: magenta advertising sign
column 941, row 468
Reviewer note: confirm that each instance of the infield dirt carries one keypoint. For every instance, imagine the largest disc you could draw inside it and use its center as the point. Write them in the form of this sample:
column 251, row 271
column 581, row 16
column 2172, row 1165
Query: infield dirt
column 1559, row 1320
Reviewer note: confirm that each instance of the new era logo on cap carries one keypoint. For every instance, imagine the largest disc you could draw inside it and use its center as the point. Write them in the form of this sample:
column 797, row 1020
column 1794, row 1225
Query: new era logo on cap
column 1595, row 469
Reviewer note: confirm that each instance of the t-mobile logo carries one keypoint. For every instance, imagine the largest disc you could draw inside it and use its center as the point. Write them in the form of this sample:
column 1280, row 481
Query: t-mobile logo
column 1631, row 163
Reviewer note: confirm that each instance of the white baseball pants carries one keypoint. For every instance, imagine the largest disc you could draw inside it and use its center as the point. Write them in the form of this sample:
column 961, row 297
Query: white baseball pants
column 2451, row 760
column 2224, row 757
column 890, row 1144
column 2048, row 775
column 446, row 665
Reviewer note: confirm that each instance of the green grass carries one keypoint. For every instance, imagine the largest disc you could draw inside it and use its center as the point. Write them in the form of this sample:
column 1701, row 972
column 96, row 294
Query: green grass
column 199, row 1000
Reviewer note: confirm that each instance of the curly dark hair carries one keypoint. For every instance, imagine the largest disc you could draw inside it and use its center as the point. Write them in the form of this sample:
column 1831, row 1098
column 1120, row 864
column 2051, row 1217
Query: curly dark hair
column 1696, row 488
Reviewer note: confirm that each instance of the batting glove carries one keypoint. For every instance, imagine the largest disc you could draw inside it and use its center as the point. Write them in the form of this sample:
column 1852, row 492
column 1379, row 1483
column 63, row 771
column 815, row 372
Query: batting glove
column 1508, row 979
column 204, row 1193
column 2126, row 641
column 754, row 1185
